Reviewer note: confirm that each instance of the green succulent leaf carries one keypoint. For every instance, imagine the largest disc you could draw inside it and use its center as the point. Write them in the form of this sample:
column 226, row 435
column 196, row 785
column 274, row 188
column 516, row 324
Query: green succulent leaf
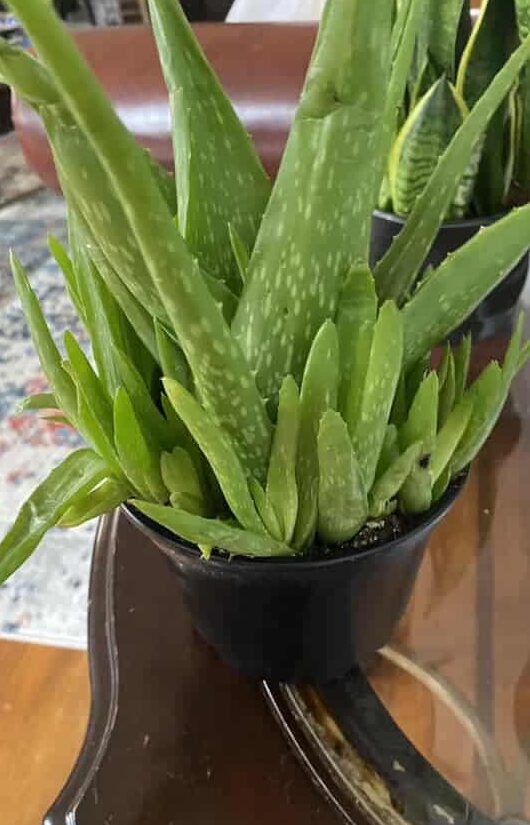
column 443, row 20
column 69, row 483
column 342, row 501
column 462, row 358
column 356, row 315
column 86, row 379
column 179, row 473
column 39, row 401
column 282, row 488
column 139, row 462
column 422, row 422
column 449, row 437
column 171, row 357
column 102, row 499
column 214, row 533
column 389, row 451
column 447, row 380
column 240, row 253
column 266, row 510
column 388, row 485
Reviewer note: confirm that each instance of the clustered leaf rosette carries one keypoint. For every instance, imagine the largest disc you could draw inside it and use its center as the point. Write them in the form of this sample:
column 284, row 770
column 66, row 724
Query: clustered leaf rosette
column 252, row 386
column 452, row 65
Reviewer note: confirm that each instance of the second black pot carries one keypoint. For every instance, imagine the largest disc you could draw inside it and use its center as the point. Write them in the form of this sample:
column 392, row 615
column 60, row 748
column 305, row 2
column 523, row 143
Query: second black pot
column 299, row 619
column 495, row 315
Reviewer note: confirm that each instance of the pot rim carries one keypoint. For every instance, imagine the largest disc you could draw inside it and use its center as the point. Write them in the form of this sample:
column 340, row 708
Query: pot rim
column 463, row 223
column 288, row 563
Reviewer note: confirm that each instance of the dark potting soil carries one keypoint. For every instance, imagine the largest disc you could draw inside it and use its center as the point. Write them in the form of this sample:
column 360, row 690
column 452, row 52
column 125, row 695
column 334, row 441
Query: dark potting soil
column 375, row 533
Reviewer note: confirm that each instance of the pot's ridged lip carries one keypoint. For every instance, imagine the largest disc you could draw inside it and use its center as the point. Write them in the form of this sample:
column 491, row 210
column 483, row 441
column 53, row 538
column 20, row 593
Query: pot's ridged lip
column 286, row 563
column 464, row 223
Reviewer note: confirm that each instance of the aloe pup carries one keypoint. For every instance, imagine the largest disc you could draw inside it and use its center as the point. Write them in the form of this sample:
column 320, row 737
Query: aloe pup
column 254, row 387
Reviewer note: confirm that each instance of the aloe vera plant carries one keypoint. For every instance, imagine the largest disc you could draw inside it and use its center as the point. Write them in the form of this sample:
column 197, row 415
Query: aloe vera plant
column 452, row 66
column 253, row 386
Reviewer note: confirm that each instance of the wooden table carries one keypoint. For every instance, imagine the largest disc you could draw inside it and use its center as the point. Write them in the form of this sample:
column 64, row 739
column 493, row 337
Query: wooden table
column 438, row 733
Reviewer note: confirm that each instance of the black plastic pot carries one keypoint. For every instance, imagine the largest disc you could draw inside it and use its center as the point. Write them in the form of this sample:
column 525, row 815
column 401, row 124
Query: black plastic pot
column 495, row 315
column 299, row 620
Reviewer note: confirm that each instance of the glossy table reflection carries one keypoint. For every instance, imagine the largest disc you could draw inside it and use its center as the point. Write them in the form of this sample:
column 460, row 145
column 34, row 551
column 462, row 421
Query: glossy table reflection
column 438, row 732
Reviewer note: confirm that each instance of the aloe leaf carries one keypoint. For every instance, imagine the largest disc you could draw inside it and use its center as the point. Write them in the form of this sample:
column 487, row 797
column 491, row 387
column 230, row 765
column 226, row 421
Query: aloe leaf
column 171, row 357
column 139, row 462
column 317, row 223
column 342, row 502
column 523, row 160
column 179, row 473
column 282, row 488
column 391, row 481
column 195, row 317
column 220, row 179
column 225, row 298
column 66, row 485
column 447, row 394
column 454, row 290
column 266, row 510
column 389, row 451
column 39, row 401
column 20, row 70
column 356, row 316
column 422, row 422
column 444, row 20
column 185, row 501
column 103, row 499
column 94, row 433
column 462, row 358
column 399, row 268
column 318, row 394
column 152, row 422
column 449, row 437
column 218, row 449
column 62, row 258
column 382, row 374
column 50, row 359
column 492, row 41
column 213, row 533
column 87, row 380
column 240, row 252
column 423, row 139
column 415, row 495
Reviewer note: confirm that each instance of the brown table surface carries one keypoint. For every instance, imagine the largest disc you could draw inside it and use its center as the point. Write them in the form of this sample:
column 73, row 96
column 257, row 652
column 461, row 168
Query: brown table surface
column 177, row 737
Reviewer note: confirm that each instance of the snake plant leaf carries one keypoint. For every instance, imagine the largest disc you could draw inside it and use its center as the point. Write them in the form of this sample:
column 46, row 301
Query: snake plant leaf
column 492, row 41
column 102, row 499
column 384, row 365
column 240, row 253
column 443, row 21
column 220, row 453
column 62, row 385
column 317, row 223
column 342, row 501
column 389, row 451
column 282, row 488
column 422, row 422
column 449, row 437
column 398, row 269
column 68, row 483
column 387, row 487
column 423, row 139
column 447, row 394
column 318, row 394
column 462, row 281
column 171, row 357
column 39, row 401
column 265, row 510
column 462, row 358
column 220, row 179
column 213, row 533
column 355, row 321
column 194, row 315
column 140, row 463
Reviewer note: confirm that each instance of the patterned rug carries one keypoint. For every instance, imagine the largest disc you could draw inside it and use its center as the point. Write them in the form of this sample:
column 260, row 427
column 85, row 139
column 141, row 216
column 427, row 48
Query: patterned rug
column 45, row 601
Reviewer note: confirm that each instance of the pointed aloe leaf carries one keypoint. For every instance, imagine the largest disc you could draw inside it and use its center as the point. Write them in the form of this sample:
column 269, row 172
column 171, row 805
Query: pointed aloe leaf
column 50, row 359
column 421, row 142
column 342, row 502
column 65, row 486
column 356, row 316
column 449, row 437
column 39, row 401
column 21, row 71
column 441, row 486
column 220, row 179
column 389, row 451
column 447, row 394
column 487, row 396
column 103, row 499
column 171, row 357
column 422, row 422
column 213, row 533
column 444, row 20
column 179, row 473
column 139, row 462
column 226, row 299
column 90, row 384
column 185, row 501
column 399, row 268
column 318, row 394
column 194, row 315
column 462, row 358
column 523, row 159
column 318, row 220
column 491, row 43
column 415, row 495
column 220, row 453
column 454, row 290
column 265, row 510
column 62, row 258
column 282, row 488
column 382, row 374
column 387, row 487
column 240, row 253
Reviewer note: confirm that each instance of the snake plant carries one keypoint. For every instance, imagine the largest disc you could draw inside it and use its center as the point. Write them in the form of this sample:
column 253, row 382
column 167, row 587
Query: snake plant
column 252, row 386
column 452, row 65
